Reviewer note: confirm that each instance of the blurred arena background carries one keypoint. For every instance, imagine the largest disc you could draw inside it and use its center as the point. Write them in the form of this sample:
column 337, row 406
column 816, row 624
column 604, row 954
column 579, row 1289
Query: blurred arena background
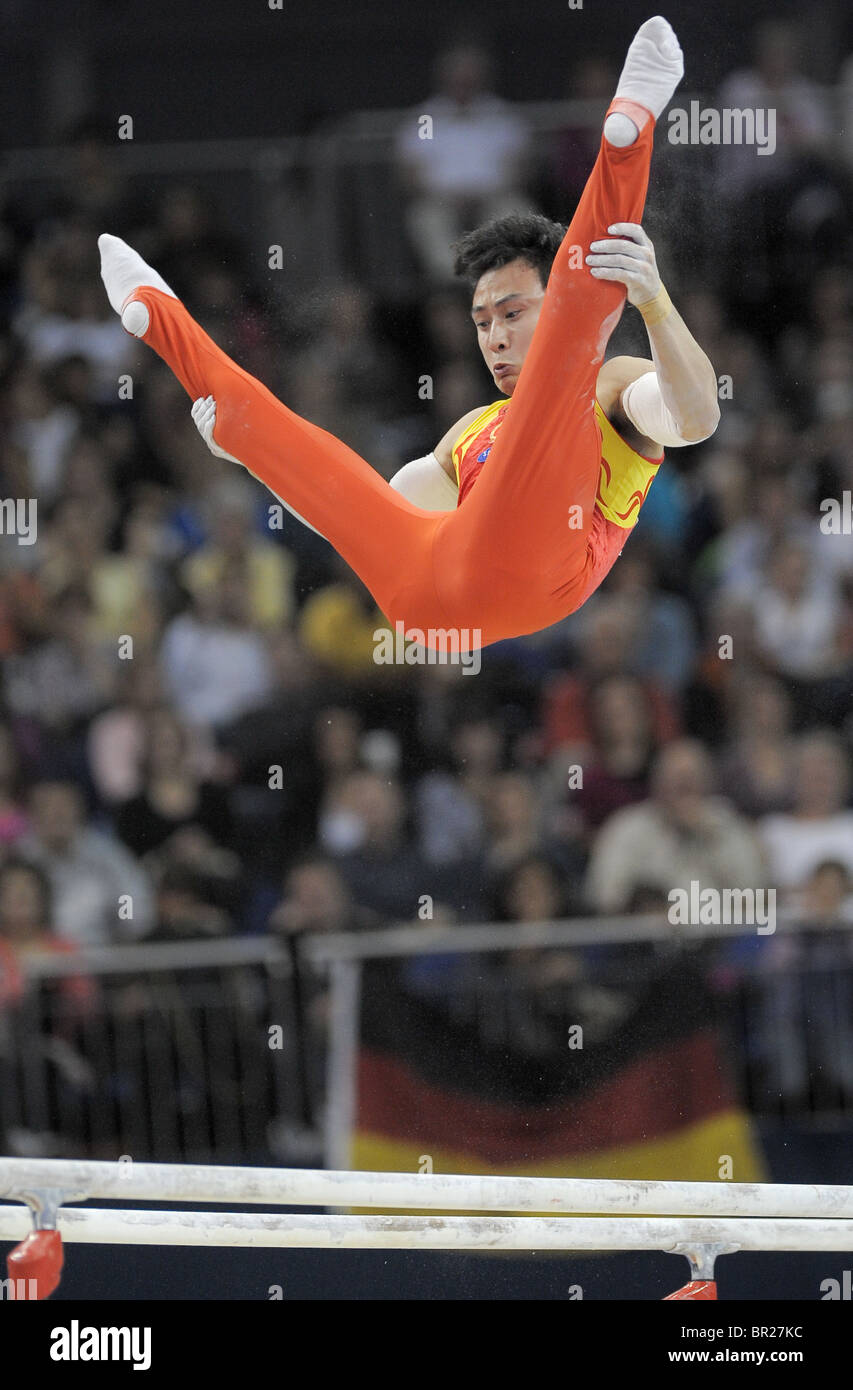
column 194, row 840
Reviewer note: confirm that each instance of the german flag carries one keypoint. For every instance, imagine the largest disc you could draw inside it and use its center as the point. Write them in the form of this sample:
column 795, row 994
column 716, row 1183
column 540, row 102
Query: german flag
column 646, row 1095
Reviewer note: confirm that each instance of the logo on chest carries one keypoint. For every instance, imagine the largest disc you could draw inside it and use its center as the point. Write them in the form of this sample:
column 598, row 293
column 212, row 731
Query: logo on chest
column 490, row 437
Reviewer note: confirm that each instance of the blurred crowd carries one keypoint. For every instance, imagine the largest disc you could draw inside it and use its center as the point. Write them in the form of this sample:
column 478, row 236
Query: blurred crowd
column 195, row 738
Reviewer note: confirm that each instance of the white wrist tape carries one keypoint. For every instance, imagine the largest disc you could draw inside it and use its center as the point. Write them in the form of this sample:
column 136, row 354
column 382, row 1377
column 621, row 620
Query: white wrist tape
column 644, row 406
column 425, row 483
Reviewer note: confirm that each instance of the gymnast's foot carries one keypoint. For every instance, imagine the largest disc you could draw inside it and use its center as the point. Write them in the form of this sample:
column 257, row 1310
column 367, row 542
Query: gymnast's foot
column 123, row 271
column 654, row 66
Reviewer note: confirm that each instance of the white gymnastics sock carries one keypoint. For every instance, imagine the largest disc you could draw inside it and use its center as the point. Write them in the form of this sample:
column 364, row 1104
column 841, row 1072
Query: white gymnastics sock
column 123, row 270
column 654, row 66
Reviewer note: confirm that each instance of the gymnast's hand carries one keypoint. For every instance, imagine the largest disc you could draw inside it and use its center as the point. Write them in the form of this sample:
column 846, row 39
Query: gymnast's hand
column 204, row 418
column 629, row 258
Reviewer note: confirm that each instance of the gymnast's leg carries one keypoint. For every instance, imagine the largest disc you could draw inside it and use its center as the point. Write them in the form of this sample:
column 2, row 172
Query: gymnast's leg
column 511, row 538
column 387, row 540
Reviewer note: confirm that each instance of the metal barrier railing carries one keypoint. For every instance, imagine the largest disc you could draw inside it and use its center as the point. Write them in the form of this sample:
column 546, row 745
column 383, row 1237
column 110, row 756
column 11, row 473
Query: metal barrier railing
column 245, row 1048
column 333, row 199
column 185, row 1048
column 787, row 1013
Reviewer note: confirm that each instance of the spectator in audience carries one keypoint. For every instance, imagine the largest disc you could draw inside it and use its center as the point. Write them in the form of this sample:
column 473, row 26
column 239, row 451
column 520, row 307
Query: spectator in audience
column 798, row 613
column 316, row 392
column 24, row 603
column 269, row 759
column 187, row 232
column 199, row 887
column 26, row 926
column 773, row 516
column 820, row 823
column 447, row 327
column 455, row 385
column 756, row 764
column 805, row 974
column 216, row 666
column 728, row 656
column 536, row 889
column 116, row 737
column 316, row 898
column 606, row 643
column 338, row 626
column 60, row 683
column 774, row 82
column 41, row 1014
column 267, row 569
column 826, row 898
column 87, row 478
column 515, row 828
column 363, row 825
column 845, row 133
column 663, row 649
column 533, row 889
column 44, row 428
column 93, row 185
column 61, row 313
column 173, row 794
column 346, row 342
column 793, row 204
column 616, row 774
column 720, row 501
column 11, row 990
column 450, row 806
column 337, row 734
column 468, row 165
column 754, row 399
column 14, row 822
column 101, row 894
column 74, row 543
column 573, row 148
column 128, row 586
column 681, row 835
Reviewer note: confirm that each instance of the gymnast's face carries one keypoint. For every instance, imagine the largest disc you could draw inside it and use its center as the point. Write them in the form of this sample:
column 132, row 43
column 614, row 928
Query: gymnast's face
column 505, row 309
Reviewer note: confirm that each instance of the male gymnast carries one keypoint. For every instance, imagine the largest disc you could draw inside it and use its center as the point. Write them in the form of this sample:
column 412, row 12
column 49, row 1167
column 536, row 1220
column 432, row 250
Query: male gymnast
column 524, row 506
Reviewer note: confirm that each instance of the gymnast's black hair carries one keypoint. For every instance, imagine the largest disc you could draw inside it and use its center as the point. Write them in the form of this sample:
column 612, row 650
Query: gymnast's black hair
column 520, row 235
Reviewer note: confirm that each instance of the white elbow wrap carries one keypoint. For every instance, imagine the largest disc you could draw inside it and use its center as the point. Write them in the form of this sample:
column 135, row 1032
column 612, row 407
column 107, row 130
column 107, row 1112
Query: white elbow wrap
column 644, row 406
column 425, row 483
